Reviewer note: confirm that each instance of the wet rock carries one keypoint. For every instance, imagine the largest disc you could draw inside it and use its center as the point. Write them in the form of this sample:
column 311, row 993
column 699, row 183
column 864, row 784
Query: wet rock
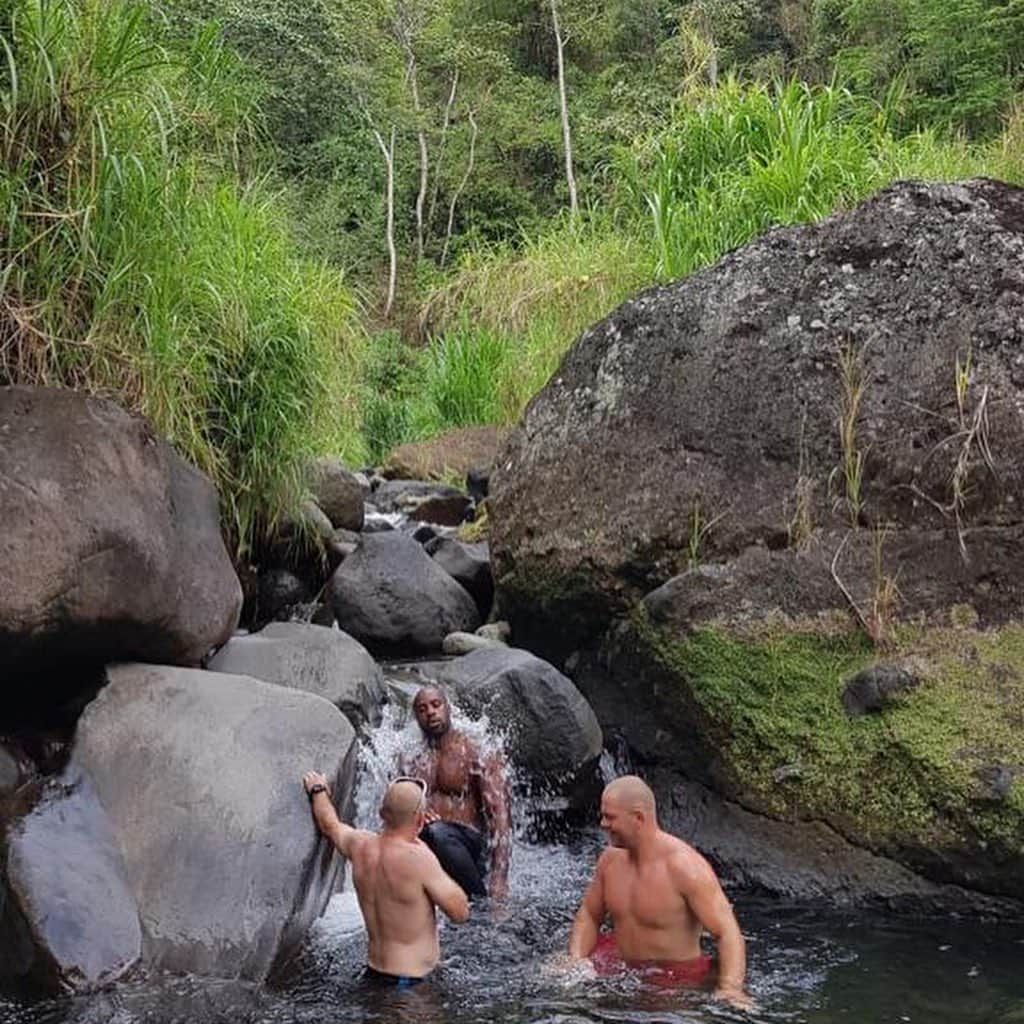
column 552, row 733
column 406, row 495
column 200, row 775
column 338, row 492
column 463, row 643
column 442, row 510
column 279, row 592
column 325, row 662
column 111, row 544
column 500, row 631
column 876, row 688
column 69, row 920
column 478, row 483
column 392, row 597
column 467, row 564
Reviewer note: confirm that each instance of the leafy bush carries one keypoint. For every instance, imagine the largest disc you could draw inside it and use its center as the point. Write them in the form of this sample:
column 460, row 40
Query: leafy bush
column 134, row 266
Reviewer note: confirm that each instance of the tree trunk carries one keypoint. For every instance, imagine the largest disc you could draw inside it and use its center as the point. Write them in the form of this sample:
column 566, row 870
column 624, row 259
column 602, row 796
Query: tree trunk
column 440, row 148
column 458, row 191
column 570, row 177
column 421, row 136
column 388, row 149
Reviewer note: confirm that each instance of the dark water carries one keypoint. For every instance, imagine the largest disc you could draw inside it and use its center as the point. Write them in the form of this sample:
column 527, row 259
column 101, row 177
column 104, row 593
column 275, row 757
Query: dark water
column 805, row 966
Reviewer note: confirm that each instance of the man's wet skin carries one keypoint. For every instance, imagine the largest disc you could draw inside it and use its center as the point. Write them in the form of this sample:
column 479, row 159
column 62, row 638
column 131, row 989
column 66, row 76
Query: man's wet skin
column 463, row 785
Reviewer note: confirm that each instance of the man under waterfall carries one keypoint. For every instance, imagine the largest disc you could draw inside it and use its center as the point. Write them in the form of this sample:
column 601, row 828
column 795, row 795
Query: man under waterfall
column 398, row 881
column 467, row 800
column 660, row 893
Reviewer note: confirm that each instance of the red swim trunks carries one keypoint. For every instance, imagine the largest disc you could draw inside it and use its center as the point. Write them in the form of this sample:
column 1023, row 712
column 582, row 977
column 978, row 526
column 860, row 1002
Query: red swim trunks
column 695, row 973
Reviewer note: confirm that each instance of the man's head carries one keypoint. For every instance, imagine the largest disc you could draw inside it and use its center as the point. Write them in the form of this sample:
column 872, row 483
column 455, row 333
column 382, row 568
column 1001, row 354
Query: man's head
column 628, row 811
column 430, row 706
column 404, row 804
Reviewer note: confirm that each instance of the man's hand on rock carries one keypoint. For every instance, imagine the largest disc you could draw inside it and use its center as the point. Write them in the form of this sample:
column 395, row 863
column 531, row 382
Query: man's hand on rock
column 311, row 779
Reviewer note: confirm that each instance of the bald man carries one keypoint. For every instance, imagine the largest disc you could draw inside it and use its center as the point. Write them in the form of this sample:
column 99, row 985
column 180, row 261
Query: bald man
column 398, row 880
column 659, row 893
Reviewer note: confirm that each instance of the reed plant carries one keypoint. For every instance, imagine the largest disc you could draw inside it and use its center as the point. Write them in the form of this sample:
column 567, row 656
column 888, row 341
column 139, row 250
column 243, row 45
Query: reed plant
column 135, row 265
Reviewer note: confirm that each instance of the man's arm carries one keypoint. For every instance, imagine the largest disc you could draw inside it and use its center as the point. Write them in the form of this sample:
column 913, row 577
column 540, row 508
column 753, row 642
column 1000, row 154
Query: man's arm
column 494, row 796
column 589, row 917
column 699, row 885
column 343, row 836
column 445, row 892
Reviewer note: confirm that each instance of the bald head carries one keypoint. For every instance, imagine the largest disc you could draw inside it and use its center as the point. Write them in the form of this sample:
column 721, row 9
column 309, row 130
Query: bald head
column 402, row 802
column 631, row 793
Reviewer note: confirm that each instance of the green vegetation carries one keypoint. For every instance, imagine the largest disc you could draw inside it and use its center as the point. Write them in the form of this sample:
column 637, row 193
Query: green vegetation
column 136, row 265
column 181, row 197
column 912, row 775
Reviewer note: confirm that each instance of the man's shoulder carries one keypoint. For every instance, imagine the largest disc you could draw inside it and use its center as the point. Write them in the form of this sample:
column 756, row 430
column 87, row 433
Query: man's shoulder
column 684, row 861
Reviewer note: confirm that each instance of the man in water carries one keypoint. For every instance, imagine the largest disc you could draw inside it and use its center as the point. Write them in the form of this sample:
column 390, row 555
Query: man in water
column 467, row 799
column 398, row 881
column 660, row 893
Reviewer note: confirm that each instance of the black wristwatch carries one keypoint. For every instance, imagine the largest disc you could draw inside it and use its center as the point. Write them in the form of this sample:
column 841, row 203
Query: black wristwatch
column 313, row 790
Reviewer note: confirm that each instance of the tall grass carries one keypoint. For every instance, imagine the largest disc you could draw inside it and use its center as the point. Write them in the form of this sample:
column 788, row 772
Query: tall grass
column 742, row 158
column 134, row 265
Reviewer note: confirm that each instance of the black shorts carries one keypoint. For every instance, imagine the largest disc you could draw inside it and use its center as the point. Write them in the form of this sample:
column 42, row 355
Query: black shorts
column 462, row 851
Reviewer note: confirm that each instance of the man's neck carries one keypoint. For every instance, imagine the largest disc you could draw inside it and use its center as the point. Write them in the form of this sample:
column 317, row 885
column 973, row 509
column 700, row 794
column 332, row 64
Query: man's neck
column 442, row 741
column 645, row 848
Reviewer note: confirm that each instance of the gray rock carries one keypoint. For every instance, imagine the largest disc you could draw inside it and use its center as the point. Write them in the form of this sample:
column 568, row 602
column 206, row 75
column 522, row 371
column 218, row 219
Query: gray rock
column 338, row 492
column 200, row 774
column 736, row 411
column 876, row 688
column 552, row 733
column 406, row 495
column 394, row 598
column 323, row 661
column 111, row 544
column 463, row 643
column 10, row 772
column 500, row 631
column 70, row 922
column 468, row 564
column 279, row 591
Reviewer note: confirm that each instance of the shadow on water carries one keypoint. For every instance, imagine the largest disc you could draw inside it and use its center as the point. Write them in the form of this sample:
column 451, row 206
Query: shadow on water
column 807, row 966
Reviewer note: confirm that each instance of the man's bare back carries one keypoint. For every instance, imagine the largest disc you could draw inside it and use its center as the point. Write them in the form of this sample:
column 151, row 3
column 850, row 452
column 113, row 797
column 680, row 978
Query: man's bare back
column 398, row 880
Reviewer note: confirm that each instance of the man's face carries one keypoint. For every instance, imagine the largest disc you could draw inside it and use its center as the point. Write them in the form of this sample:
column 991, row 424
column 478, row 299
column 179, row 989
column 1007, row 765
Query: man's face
column 431, row 710
column 618, row 823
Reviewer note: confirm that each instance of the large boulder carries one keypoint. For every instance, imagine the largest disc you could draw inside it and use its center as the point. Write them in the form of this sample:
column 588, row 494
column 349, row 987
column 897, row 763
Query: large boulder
column 69, row 921
column 742, row 491
column 392, row 597
column 111, row 545
column 316, row 659
column 863, row 370
column 200, row 774
column 552, row 735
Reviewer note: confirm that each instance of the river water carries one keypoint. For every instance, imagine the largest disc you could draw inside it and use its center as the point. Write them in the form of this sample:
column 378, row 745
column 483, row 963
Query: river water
column 806, row 964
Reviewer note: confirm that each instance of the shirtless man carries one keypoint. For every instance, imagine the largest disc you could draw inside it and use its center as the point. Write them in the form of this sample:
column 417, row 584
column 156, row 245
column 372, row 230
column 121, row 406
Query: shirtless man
column 398, row 881
column 467, row 799
column 660, row 893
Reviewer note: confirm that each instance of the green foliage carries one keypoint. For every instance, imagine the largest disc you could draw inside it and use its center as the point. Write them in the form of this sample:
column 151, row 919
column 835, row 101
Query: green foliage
column 135, row 267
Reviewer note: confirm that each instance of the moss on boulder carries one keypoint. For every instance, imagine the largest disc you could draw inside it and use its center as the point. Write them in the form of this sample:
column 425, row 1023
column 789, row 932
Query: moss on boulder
column 935, row 780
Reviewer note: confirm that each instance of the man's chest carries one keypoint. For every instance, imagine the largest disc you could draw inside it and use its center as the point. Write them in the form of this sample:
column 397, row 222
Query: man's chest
column 646, row 896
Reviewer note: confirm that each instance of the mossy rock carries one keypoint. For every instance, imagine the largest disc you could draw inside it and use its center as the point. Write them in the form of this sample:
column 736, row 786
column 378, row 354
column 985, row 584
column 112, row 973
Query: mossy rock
column 936, row 780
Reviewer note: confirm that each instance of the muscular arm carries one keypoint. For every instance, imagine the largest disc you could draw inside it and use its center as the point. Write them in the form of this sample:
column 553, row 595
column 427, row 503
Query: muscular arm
column 445, row 892
column 589, row 917
column 494, row 797
column 698, row 883
column 343, row 836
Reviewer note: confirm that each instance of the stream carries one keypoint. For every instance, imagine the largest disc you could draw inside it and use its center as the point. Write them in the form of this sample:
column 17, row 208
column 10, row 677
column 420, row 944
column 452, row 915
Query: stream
column 806, row 965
